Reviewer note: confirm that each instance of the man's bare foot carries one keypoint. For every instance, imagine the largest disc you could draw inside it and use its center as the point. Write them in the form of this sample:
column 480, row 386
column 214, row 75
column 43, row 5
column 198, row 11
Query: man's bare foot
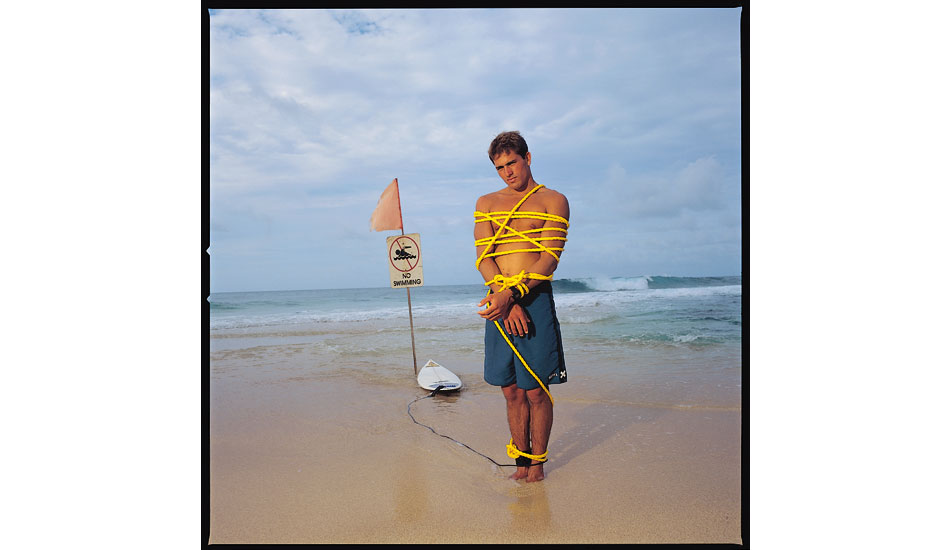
column 535, row 472
column 520, row 473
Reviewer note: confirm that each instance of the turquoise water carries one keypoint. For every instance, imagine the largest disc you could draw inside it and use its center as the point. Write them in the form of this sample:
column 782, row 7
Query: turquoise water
column 696, row 310
column 672, row 340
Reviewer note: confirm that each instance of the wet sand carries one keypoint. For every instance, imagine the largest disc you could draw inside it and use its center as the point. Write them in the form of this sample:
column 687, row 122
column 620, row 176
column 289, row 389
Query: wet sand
column 307, row 456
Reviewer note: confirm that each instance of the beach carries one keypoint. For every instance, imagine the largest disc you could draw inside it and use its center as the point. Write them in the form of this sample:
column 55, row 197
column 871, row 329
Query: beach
column 311, row 440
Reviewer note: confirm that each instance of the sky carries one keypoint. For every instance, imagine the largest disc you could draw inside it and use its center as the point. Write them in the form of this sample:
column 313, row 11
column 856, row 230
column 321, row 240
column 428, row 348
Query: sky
column 632, row 114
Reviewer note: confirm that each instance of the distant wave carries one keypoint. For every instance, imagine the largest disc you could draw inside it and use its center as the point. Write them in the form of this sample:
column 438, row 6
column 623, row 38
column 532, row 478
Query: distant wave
column 613, row 284
column 220, row 306
column 250, row 304
column 581, row 301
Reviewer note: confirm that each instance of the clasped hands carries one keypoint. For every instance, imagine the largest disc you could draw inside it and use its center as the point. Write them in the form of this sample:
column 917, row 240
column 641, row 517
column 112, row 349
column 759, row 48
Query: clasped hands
column 502, row 305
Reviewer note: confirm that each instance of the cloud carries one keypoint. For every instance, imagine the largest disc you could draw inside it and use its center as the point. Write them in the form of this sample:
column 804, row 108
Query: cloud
column 630, row 113
column 699, row 186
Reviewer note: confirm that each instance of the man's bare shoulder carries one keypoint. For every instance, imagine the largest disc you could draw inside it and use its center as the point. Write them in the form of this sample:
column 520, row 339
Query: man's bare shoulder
column 486, row 202
column 554, row 202
column 547, row 192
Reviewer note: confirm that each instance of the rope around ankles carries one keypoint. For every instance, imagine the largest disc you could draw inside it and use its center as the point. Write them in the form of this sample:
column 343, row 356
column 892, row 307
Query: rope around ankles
column 514, row 453
column 502, row 219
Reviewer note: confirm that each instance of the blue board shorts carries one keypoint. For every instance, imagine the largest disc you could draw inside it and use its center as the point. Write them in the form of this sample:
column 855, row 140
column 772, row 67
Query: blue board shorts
column 541, row 346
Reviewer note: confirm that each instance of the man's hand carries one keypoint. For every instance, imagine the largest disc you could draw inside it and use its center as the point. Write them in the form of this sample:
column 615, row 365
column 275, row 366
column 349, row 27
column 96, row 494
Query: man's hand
column 499, row 305
column 517, row 320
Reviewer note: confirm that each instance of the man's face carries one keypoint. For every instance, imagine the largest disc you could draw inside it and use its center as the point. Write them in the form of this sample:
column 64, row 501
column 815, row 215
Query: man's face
column 514, row 170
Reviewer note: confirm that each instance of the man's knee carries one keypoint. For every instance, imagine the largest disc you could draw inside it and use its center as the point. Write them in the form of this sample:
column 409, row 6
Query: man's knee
column 514, row 394
column 537, row 397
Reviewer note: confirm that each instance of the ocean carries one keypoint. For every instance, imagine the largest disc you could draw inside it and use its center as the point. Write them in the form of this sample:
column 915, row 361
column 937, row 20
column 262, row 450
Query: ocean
column 652, row 340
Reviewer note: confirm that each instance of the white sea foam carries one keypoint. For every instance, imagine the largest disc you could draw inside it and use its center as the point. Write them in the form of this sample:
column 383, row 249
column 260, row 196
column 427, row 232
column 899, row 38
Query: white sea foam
column 612, row 284
column 696, row 292
column 623, row 297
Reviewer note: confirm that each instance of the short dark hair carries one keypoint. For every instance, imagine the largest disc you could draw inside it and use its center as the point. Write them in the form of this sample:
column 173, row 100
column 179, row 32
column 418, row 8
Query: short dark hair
column 507, row 141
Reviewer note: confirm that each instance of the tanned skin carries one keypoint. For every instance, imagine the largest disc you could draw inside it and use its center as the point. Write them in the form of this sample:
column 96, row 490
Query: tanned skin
column 530, row 412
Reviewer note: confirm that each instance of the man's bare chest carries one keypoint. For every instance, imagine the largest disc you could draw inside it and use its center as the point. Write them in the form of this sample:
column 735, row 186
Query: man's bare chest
column 521, row 219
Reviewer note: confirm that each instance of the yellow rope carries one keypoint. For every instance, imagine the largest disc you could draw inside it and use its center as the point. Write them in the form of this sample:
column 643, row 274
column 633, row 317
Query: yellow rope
column 515, row 236
column 513, row 452
column 517, row 281
column 523, row 362
column 502, row 219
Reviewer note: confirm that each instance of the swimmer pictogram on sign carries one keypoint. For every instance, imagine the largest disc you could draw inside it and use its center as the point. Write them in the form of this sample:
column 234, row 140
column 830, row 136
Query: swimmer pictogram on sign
column 405, row 260
column 404, row 252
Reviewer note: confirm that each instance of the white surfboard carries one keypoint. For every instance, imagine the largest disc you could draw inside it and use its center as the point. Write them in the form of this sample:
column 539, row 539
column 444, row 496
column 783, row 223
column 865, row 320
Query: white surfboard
column 432, row 375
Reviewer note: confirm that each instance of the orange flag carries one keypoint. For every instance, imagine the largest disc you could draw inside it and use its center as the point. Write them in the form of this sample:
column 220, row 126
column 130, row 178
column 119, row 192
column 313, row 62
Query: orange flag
column 388, row 213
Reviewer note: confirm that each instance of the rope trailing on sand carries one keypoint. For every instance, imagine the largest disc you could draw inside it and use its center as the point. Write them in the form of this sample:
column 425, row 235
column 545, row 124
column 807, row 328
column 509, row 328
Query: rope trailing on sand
column 409, row 410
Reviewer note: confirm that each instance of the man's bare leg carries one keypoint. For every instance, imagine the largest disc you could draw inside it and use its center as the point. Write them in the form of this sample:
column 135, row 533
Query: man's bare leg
column 541, row 415
column 518, row 421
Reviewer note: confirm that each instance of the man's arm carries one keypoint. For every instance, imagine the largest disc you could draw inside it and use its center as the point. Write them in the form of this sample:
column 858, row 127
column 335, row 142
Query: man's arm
column 501, row 301
column 483, row 230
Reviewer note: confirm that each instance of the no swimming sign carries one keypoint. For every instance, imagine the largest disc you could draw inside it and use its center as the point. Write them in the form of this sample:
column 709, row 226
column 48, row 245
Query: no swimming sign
column 405, row 260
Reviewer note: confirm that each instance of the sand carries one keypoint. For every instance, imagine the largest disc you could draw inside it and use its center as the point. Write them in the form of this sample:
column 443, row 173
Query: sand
column 306, row 457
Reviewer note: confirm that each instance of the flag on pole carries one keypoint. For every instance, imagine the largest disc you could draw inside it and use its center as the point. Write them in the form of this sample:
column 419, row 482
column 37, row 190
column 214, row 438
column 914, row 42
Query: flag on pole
column 388, row 213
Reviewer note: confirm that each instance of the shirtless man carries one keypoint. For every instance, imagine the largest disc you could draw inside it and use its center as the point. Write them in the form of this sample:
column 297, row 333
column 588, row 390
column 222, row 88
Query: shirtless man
column 524, row 307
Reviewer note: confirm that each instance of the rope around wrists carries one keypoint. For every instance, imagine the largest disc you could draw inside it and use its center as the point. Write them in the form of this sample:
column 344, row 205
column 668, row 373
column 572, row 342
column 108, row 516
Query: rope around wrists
column 517, row 282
